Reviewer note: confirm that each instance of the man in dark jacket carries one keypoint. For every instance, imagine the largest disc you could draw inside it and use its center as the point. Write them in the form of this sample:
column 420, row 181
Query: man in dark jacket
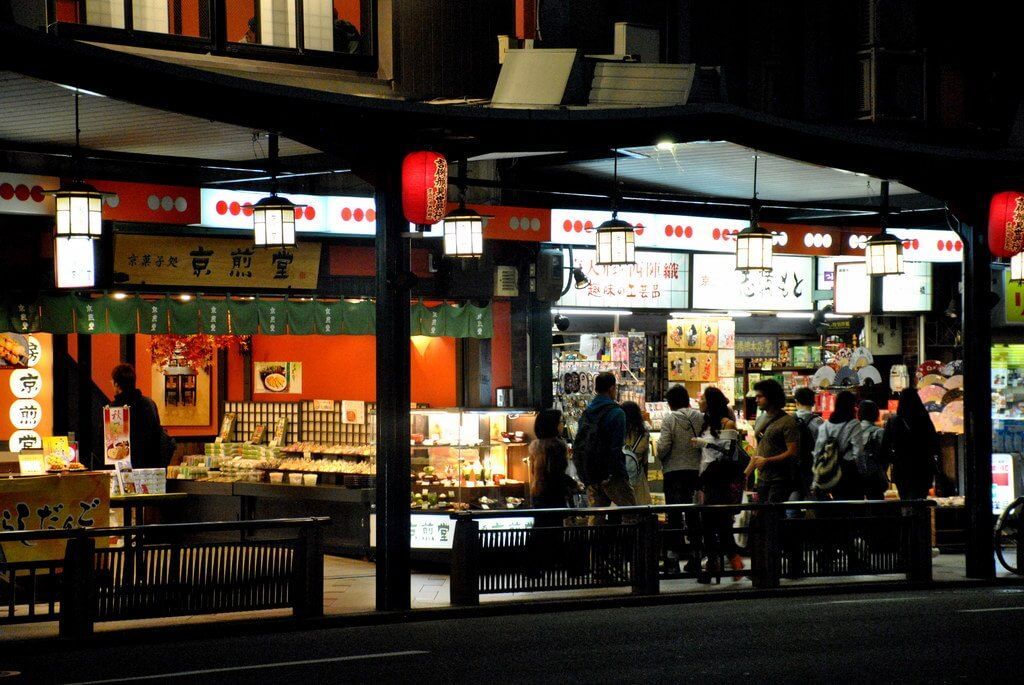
column 145, row 430
column 609, row 422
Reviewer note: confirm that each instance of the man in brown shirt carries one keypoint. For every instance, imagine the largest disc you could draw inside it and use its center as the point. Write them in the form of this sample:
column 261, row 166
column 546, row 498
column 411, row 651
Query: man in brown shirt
column 778, row 445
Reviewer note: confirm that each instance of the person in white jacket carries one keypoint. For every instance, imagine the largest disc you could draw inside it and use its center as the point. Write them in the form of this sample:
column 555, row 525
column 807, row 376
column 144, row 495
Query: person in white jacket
column 844, row 431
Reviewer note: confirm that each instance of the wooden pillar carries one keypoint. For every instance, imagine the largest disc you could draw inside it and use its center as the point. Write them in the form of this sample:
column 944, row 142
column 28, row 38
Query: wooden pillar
column 393, row 391
column 978, row 401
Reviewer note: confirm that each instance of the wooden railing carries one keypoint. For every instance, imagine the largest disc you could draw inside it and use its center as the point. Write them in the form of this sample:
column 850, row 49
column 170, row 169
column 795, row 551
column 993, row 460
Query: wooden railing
column 158, row 572
column 622, row 546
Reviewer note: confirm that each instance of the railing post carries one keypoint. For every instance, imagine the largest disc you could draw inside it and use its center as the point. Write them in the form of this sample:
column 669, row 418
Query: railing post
column 78, row 588
column 918, row 550
column 309, row 573
column 645, row 556
column 465, row 578
column 765, row 550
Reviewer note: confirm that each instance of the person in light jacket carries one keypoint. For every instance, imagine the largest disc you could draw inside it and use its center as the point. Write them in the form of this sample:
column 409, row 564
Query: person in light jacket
column 844, row 428
column 680, row 462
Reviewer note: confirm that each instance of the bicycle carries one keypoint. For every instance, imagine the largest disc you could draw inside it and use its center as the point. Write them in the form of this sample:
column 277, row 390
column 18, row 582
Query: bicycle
column 1009, row 532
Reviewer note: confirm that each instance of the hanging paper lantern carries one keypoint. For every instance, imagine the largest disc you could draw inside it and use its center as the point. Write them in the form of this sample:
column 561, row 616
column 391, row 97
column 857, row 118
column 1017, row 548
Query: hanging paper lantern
column 1006, row 224
column 424, row 187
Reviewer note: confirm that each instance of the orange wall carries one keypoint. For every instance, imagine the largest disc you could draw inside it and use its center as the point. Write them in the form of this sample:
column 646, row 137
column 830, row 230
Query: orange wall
column 501, row 348
column 344, row 367
column 106, row 354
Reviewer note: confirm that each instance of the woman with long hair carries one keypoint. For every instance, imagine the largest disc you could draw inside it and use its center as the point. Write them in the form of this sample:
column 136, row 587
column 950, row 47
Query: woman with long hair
column 721, row 479
column 637, row 447
column 842, row 433
column 549, row 463
column 910, row 440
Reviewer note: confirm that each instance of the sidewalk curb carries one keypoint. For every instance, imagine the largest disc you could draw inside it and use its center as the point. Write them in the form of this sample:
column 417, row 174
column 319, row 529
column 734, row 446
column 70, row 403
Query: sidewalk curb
column 160, row 634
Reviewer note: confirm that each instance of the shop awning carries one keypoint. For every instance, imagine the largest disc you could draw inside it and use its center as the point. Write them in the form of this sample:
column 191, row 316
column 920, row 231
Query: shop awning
column 236, row 316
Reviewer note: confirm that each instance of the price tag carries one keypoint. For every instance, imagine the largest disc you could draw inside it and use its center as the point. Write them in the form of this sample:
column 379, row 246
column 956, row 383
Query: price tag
column 323, row 405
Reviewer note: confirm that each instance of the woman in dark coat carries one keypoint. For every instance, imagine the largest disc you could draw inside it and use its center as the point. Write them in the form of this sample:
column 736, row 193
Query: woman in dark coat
column 911, row 441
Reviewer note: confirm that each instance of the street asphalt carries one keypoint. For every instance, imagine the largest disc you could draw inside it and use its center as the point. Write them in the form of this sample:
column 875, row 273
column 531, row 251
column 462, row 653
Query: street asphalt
column 955, row 635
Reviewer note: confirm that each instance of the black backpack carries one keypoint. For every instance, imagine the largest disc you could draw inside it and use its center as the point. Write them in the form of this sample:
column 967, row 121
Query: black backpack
column 803, row 465
column 590, row 449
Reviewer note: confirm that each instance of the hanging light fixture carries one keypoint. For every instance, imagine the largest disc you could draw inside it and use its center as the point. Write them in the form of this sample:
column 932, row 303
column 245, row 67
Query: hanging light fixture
column 616, row 240
column 78, row 205
column 273, row 217
column 754, row 243
column 884, row 252
column 463, row 227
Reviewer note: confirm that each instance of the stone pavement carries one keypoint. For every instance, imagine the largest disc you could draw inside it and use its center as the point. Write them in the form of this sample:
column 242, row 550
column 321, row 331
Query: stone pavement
column 350, row 588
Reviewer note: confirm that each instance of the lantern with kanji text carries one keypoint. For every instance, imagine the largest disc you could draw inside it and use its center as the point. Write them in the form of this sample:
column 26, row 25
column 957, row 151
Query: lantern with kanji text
column 424, row 187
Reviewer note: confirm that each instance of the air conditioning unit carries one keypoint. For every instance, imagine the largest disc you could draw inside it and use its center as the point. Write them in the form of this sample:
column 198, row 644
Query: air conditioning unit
column 506, row 281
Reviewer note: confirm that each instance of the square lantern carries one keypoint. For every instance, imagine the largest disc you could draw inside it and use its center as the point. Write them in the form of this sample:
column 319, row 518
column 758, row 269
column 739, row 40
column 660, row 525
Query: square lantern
column 464, row 234
column 79, row 211
column 884, row 255
column 1017, row 268
column 273, row 222
column 615, row 243
column 754, row 249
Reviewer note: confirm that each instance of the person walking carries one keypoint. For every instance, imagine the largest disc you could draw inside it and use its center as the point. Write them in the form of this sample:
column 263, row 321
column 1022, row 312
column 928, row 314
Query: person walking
column 721, row 479
column 637, row 448
column 597, row 449
column 680, row 463
column 778, row 444
column 874, row 465
column 150, row 448
column 551, row 487
column 911, row 442
column 839, row 449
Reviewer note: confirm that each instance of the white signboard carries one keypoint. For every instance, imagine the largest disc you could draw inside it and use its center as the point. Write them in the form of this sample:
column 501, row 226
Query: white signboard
column 852, row 288
column 911, row 291
column 923, row 245
column 75, row 262
column 25, row 440
column 658, row 280
column 1002, row 482
column 25, row 414
column 26, row 383
column 23, row 194
column 435, row 531
column 334, row 214
column 719, row 286
column 666, row 231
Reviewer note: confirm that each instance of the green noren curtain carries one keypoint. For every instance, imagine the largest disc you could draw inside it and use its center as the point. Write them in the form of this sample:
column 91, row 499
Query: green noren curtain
column 184, row 317
column 244, row 317
column 481, row 324
column 91, row 315
column 58, row 315
column 152, row 316
column 213, row 316
column 273, row 317
column 300, row 316
column 456, row 321
column 359, row 318
column 328, row 317
column 123, row 316
column 24, row 317
column 434, row 320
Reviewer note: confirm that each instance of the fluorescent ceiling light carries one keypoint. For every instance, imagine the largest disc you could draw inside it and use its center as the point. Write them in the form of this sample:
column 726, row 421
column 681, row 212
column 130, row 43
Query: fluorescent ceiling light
column 839, row 316
column 793, row 315
column 738, row 315
column 665, row 145
column 595, row 312
column 79, row 90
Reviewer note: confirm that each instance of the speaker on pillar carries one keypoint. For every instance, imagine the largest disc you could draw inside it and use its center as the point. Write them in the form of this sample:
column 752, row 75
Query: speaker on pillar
column 550, row 275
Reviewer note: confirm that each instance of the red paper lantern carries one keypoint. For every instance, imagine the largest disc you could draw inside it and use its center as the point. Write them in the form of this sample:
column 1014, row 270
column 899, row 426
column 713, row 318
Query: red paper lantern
column 424, row 187
column 1006, row 224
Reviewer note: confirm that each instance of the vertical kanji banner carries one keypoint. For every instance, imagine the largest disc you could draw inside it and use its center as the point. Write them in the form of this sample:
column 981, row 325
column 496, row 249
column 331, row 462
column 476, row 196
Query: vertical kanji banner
column 152, row 316
column 122, row 316
column 481, row 324
column 244, row 317
column 433, row 321
column 273, row 317
column 24, row 317
column 213, row 316
column 57, row 314
column 328, row 317
column 184, row 317
column 359, row 318
column 300, row 316
column 91, row 315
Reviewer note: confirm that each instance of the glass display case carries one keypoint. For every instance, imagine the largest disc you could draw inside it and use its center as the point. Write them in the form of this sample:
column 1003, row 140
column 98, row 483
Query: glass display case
column 470, row 458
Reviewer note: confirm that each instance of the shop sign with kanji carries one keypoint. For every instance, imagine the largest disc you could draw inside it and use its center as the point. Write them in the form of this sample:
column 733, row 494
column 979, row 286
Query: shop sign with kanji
column 719, row 286
column 658, row 280
column 217, row 262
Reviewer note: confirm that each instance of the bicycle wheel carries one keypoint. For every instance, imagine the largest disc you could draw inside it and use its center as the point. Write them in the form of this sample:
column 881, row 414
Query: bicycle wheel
column 1008, row 533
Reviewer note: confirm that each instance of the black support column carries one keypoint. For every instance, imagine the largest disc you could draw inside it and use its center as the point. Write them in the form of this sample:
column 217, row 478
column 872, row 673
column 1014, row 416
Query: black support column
column 978, row 402
column 84, row 418
column 393, row 382
column 540, row 355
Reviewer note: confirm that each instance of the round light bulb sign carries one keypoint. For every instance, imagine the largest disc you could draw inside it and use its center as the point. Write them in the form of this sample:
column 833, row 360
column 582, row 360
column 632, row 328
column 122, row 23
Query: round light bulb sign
column 25, row 414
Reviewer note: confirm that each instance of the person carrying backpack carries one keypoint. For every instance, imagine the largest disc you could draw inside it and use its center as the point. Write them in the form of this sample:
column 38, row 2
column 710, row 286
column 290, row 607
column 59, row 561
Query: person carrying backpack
column 597, row 448
column 680, row 462
column 839, row 448
column 809, row 423
column 874, row 464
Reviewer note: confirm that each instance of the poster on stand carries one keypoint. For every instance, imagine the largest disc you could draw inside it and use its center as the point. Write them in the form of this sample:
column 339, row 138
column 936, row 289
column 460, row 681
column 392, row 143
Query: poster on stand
column 708, row 335
column 353, row 412
column 620, row 349
column 726, row 364
column 675, row 339
column 677, row 366
column 707, row 367
column 116, row 436
column 726, row 334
